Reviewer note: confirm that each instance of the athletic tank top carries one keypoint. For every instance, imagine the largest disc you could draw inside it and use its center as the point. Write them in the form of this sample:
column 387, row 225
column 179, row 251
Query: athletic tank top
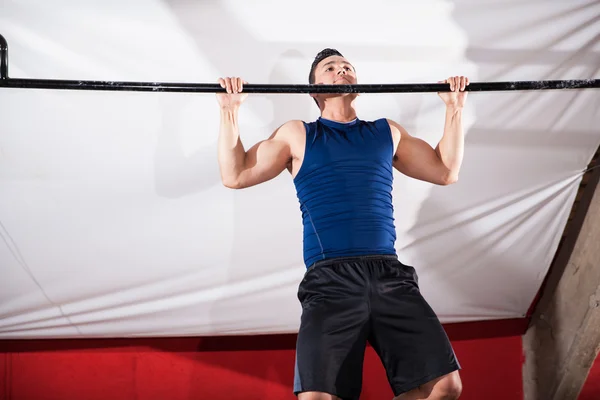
column 345, row 189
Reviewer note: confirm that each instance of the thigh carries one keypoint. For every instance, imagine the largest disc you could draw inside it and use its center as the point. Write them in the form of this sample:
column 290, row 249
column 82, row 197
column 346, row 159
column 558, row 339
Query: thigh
column 405, row 332
column 332, row 336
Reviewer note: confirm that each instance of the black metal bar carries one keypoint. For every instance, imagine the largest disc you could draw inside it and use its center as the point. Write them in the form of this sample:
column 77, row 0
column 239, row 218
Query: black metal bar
column 3, row 58
column 6, row 82
column 257, row 88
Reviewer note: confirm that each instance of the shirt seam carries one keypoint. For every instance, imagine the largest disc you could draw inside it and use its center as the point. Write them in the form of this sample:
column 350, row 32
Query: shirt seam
column 316, row 233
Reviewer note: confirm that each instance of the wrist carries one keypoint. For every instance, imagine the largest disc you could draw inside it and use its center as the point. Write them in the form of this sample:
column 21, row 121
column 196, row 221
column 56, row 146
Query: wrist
column 453, row 108
column 230, row 108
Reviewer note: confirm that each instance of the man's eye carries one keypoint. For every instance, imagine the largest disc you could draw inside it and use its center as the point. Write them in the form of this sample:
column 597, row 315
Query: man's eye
column 330, row 68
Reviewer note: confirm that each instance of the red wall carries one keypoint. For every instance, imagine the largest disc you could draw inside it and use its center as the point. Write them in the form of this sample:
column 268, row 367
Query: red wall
column 236, row 368
column 591, row 388
column 215, row 368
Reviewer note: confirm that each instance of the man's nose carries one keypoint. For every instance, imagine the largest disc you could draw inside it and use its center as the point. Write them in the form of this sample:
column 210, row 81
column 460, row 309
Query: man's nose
column 342, row 71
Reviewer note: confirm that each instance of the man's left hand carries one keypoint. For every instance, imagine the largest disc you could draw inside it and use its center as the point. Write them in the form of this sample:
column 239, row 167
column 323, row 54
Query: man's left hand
column 457, row 97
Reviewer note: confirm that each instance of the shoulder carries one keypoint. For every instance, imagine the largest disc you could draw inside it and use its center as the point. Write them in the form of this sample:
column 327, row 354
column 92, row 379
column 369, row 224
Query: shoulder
column 295, row 125
column 291, row 134
column 290, row 129
column 396, row 128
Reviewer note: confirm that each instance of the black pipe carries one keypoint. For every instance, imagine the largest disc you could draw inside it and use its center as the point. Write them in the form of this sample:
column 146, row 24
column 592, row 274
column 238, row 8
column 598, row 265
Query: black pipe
column 259, row 88
column 6, row 82
column 3, row 58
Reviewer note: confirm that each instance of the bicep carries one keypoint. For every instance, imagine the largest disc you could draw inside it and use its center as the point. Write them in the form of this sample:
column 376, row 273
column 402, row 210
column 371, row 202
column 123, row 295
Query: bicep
column 415, row 158
column 266, row 159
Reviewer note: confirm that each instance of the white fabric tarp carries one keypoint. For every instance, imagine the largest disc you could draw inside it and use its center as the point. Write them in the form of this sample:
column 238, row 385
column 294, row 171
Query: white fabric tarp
column 113, row 218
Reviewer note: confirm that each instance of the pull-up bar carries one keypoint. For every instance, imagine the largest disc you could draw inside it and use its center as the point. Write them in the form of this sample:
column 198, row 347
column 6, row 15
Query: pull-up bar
column 6, row 82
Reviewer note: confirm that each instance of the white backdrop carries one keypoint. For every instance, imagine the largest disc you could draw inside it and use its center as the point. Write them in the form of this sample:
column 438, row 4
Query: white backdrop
column 114, row 221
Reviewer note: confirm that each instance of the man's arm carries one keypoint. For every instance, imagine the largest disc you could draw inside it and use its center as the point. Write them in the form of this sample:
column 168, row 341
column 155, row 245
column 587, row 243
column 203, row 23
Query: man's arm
column 262, row 162
column 417, row 159
column 265, row 160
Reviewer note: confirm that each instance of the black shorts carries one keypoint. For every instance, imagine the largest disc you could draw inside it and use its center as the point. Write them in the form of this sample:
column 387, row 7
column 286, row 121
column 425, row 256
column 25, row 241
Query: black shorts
column 349, row 301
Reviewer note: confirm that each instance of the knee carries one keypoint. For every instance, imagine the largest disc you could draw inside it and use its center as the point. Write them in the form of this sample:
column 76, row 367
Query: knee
column 447, row 388
column 451, row 388
column 316, row 396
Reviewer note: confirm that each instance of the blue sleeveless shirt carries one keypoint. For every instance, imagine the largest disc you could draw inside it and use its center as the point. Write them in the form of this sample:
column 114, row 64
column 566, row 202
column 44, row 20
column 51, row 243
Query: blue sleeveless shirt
column 345, row 189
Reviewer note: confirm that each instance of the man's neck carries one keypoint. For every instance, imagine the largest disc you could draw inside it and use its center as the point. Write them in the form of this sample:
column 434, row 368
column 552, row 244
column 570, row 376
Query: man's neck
column 339, row 111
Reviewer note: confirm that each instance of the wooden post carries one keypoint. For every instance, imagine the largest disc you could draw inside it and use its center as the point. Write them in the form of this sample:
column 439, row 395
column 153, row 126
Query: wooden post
column 563, row 338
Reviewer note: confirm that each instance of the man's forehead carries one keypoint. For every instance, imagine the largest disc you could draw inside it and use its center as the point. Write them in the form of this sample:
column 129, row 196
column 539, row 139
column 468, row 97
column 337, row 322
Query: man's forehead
column 334, row 59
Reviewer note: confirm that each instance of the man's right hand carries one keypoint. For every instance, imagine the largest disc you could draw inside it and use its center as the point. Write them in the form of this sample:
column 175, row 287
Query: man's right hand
column 234, row 96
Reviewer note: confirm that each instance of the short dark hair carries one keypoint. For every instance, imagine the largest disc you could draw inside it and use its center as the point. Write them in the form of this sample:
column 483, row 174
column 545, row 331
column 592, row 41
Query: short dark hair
column 323, row 54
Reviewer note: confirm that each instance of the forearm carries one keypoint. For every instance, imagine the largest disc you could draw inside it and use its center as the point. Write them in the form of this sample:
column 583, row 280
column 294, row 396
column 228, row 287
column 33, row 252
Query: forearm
column 232, row 155
column 451, row 148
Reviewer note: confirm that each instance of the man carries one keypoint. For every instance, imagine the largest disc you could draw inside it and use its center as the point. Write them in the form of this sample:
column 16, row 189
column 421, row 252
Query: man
column 355, row 290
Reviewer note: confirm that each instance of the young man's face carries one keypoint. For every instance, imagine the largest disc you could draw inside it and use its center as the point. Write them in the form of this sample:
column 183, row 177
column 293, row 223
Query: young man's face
column 334, row 70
